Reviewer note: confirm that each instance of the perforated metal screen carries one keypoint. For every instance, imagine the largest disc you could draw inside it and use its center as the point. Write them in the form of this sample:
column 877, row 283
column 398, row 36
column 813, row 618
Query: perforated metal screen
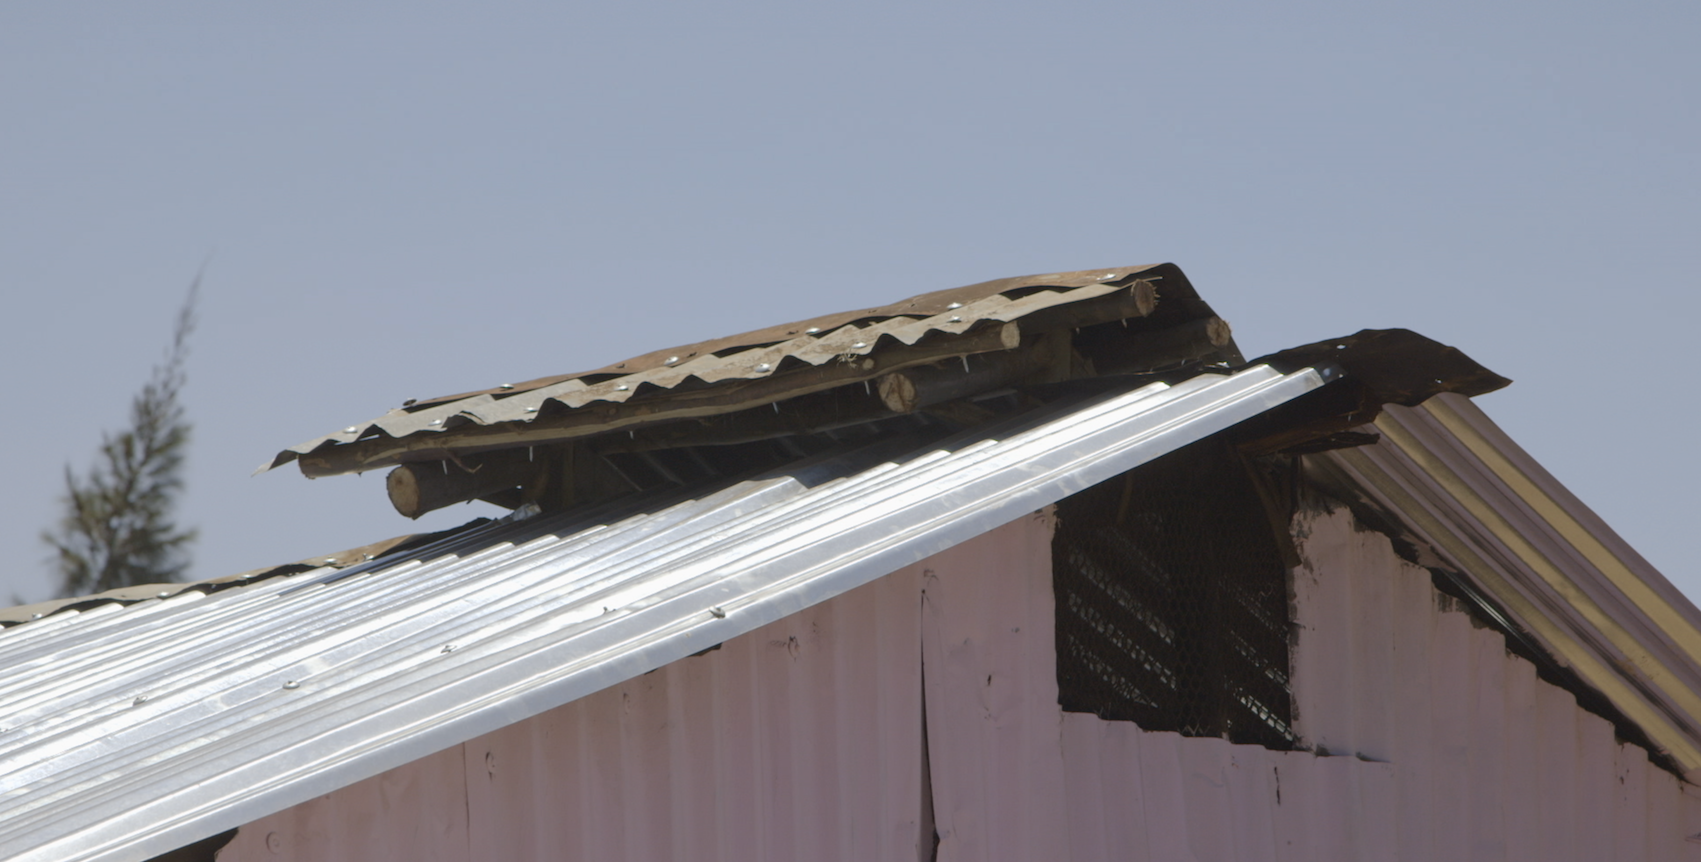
column 1172, row 601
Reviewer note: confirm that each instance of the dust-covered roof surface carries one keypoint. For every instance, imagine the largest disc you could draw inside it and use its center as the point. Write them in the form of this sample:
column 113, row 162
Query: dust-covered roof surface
column 768, row 365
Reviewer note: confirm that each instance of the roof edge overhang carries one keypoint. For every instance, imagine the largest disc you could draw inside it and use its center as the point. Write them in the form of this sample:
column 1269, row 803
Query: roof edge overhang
column 772, row 365
column 1480, row 506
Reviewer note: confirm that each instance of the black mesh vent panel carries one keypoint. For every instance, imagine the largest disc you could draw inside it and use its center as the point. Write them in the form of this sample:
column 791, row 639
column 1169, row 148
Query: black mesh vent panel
column 1172, row 601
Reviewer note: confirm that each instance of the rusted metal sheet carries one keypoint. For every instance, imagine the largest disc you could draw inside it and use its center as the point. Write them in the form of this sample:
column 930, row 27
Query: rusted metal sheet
column 855, row 345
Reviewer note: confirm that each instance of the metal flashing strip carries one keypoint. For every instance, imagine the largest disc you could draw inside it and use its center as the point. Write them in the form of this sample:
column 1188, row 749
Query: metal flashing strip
column 1487, row 509
column 129, row 731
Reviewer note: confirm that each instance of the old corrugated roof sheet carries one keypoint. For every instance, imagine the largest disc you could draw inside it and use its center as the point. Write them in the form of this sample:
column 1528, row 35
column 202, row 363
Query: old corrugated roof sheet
column 133, row 729
column 770, row 364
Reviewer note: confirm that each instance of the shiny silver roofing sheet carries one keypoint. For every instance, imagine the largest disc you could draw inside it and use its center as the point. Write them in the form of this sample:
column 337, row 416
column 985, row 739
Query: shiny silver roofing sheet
column 133, row 730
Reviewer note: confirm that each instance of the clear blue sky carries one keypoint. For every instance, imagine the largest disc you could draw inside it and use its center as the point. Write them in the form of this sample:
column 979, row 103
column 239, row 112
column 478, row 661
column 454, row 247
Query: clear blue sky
column 412, row 199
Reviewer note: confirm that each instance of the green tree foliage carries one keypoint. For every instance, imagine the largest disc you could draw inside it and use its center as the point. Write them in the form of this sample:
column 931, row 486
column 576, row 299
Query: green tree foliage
column 117, row 529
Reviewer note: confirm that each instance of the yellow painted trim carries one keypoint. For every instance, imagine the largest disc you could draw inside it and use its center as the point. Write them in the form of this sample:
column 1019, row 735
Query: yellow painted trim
column 1663, row 615
column 1574, row 653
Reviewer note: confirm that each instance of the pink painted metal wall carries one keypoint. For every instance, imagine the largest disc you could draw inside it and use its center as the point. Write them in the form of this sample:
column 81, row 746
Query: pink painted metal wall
column 992, row 717
column 801, row 740
column 804, row 740
column 1489, row 761
column 416, row 812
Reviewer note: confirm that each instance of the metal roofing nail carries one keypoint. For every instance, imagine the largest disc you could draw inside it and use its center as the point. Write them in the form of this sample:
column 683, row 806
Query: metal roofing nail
column 448, row 647
column 506, row 386
column 763, row 366
column 437, row 422
column 292, row 684
column 1107, row 276
column 965, row 363
column 163, row 593
column 349, row 430
column 954, row 306
column 956, row 319
column 622, row 387
column 859, row 345
column 140, row 699
column 718, row 613
column 35, row 616
column 776, row 406
column 812, row 330
column 671, row 360
column 531, row 409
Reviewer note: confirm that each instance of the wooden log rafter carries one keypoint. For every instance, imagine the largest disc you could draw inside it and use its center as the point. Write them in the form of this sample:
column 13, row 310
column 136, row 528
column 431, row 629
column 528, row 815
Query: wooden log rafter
column 597, row 419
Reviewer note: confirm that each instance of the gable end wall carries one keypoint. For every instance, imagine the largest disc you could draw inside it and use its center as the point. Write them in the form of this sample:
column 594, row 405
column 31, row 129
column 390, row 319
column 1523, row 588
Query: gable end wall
column 805, row 740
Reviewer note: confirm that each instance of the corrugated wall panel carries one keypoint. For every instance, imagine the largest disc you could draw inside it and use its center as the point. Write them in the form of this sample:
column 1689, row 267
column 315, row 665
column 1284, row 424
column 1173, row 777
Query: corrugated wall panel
column 803, row 740
column 1410, row 742
column 992, row 714
column 1487, row 760
column 1523, row 787
column 800, row 740
column 418, row 812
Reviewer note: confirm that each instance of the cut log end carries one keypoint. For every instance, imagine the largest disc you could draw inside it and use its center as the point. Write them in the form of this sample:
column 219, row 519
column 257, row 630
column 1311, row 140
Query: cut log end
column 898, row 393
column 426, row 486
column 403, row 488
column 1145, row 298
column 1218, row 332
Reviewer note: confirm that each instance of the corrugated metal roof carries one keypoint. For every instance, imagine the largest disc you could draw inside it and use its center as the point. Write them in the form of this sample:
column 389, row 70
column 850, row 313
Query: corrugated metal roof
column 1481, row 506
column 776, row 363
column 131, row 730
